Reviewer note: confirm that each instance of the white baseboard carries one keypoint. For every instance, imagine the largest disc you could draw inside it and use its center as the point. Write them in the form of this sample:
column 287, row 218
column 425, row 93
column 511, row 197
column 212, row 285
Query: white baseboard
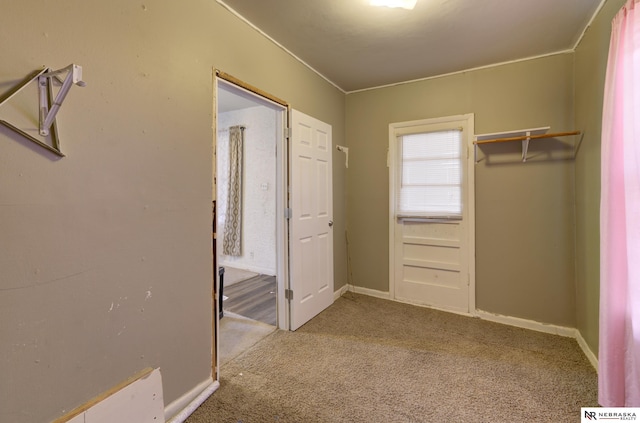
column 340, row 292
column 249, row 268
column 586, row 350
column 498, row 318
column 543, row 327
column 183, row 407
column 527, row 324
column 370, row 292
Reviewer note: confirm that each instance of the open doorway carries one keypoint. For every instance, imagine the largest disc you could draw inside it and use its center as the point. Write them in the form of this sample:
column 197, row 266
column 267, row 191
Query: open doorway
column 298, row 148
column 249, row 215
column 246, row 206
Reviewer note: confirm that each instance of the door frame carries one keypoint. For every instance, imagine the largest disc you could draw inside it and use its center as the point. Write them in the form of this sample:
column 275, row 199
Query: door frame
column 470, row 198
column 282, row 257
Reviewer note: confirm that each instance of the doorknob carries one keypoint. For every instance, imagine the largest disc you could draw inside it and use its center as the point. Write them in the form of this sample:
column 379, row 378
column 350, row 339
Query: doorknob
column 331, row 223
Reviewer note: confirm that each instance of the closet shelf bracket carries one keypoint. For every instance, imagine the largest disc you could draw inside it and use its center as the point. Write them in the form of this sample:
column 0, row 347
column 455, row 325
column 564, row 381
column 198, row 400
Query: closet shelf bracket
column 525, row 135
column 48, row 105
column 525, row 146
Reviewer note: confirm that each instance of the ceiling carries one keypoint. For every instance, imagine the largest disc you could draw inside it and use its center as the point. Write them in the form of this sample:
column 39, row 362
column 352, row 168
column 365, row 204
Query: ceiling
column 356, row 46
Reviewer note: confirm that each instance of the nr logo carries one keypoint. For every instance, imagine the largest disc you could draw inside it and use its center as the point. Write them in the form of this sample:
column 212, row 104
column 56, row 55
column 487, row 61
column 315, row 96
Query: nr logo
column 590, row 415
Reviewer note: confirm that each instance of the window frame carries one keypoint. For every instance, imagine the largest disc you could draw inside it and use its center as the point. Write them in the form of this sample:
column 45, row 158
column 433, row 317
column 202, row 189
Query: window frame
column 400, row 165
column 396, row 130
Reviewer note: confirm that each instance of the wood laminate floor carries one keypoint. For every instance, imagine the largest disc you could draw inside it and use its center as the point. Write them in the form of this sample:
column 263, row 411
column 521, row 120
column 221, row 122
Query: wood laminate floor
column 254, row 298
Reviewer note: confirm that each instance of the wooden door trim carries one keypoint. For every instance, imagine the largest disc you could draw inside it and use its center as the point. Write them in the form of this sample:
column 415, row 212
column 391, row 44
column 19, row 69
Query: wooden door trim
column 282, row 163
column 240, row 83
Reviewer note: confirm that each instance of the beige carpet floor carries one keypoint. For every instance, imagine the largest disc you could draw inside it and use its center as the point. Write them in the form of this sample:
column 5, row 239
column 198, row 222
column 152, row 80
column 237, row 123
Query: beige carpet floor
column 370, row 360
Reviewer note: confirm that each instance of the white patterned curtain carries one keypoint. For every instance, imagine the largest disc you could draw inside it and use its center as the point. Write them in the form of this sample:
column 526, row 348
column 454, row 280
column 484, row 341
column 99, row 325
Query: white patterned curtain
column 232, row 242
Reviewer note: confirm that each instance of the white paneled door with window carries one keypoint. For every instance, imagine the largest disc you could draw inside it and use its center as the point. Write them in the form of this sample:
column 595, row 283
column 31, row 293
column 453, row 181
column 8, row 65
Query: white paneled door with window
column 431, row 213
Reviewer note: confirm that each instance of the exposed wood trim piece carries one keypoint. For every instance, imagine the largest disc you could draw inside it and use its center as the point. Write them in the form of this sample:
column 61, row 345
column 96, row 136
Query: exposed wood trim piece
column 250, row 87
column 524, row 137
column 87, row 405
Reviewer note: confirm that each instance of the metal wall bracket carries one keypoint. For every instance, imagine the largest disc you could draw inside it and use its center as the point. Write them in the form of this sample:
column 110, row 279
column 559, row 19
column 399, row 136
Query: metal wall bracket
column 48, row 105
column 345, row 150
column 524, row 135
column 525, row 146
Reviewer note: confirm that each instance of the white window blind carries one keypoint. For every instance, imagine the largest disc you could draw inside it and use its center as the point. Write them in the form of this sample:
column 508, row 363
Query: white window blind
column 431, row 175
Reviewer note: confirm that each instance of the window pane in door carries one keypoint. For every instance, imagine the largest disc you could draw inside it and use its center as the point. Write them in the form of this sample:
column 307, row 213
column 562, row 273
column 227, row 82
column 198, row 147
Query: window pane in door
column 431, row 174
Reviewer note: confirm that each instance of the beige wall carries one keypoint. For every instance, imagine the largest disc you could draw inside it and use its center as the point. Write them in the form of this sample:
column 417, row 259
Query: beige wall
column 105, row 259
column 524, row 211
column 590, row 69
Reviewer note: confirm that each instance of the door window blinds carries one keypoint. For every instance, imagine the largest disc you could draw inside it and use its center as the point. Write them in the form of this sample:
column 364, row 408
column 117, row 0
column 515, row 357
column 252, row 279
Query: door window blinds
column 430, row 175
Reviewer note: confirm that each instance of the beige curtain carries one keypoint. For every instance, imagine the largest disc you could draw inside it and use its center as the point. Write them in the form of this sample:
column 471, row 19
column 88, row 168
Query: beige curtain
column 232, row 242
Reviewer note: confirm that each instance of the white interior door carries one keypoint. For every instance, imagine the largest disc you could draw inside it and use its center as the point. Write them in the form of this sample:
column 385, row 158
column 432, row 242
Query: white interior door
column 432, row 250
column 310, row 225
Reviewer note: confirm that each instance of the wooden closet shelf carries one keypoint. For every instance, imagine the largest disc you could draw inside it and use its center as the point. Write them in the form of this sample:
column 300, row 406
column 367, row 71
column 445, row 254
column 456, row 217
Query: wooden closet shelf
column 525, row 137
